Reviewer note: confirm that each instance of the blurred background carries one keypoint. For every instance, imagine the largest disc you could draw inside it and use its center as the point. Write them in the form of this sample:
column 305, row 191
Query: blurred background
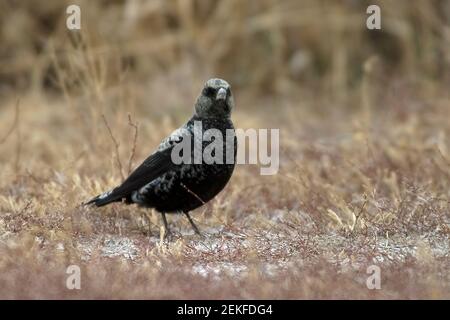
column 286, row 61
column 266, row 47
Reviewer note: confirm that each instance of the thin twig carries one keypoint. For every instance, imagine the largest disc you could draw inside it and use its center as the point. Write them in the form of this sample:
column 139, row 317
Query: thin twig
column 18, row 147
column 193, row 193
column 442, row 155
column 26, row 207
column 133, row 148
column 14, row 125
column 360, row 213
column 116, row 147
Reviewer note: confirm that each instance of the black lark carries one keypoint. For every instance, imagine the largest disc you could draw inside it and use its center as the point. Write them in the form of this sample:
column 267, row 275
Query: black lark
column 173, row 187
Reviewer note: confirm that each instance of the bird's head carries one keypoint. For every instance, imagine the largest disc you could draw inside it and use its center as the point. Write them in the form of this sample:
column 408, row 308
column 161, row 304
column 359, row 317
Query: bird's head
column 215, row 100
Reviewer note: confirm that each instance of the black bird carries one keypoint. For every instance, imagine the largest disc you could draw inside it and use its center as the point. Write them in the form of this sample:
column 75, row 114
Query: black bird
column 168, row 187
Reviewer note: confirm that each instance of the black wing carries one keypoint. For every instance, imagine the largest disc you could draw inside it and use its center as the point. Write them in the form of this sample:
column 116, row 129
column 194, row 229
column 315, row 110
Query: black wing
column 154, row 166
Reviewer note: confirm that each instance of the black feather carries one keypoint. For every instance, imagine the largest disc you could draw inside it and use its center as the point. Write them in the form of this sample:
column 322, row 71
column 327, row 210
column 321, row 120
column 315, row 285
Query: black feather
column 154, row 166
column 159, row 183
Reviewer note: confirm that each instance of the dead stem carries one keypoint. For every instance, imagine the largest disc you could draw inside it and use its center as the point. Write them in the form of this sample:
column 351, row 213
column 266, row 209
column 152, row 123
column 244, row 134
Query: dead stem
column 116, row 147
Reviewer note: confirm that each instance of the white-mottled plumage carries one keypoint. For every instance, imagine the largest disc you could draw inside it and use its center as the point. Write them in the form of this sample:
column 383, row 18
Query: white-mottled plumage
column 159, row 183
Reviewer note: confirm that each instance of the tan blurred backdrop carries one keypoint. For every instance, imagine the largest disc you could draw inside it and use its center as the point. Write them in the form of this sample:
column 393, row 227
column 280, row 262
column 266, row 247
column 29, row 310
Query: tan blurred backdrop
column 267, row 46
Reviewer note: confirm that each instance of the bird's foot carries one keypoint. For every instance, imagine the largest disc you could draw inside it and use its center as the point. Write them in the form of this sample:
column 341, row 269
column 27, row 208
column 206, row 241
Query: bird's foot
column 196, row 230
column 166, row 234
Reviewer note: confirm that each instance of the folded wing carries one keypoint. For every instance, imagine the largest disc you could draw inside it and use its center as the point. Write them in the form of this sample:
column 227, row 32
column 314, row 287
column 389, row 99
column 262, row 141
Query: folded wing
column 154, row 166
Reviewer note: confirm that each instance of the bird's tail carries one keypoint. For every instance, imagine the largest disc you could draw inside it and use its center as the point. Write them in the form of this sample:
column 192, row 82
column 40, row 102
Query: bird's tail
column 102, row 199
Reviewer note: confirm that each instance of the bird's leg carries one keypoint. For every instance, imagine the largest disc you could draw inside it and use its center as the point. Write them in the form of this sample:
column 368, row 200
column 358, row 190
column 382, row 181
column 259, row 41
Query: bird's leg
column 149, row 222
column 192, row 223
column 166, row 226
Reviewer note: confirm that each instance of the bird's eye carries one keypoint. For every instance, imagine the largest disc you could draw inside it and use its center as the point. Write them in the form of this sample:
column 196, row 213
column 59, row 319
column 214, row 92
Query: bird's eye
column 208, row 91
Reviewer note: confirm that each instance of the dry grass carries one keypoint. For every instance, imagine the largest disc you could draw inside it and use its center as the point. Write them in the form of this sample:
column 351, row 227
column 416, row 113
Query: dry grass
column 365, row 155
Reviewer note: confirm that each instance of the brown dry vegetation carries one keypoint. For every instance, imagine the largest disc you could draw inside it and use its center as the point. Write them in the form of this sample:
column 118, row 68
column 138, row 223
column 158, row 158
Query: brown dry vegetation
column 365, row 155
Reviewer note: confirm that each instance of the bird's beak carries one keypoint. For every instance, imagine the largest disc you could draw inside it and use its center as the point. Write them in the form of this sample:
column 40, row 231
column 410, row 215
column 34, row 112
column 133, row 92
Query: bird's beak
column 221, row 94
